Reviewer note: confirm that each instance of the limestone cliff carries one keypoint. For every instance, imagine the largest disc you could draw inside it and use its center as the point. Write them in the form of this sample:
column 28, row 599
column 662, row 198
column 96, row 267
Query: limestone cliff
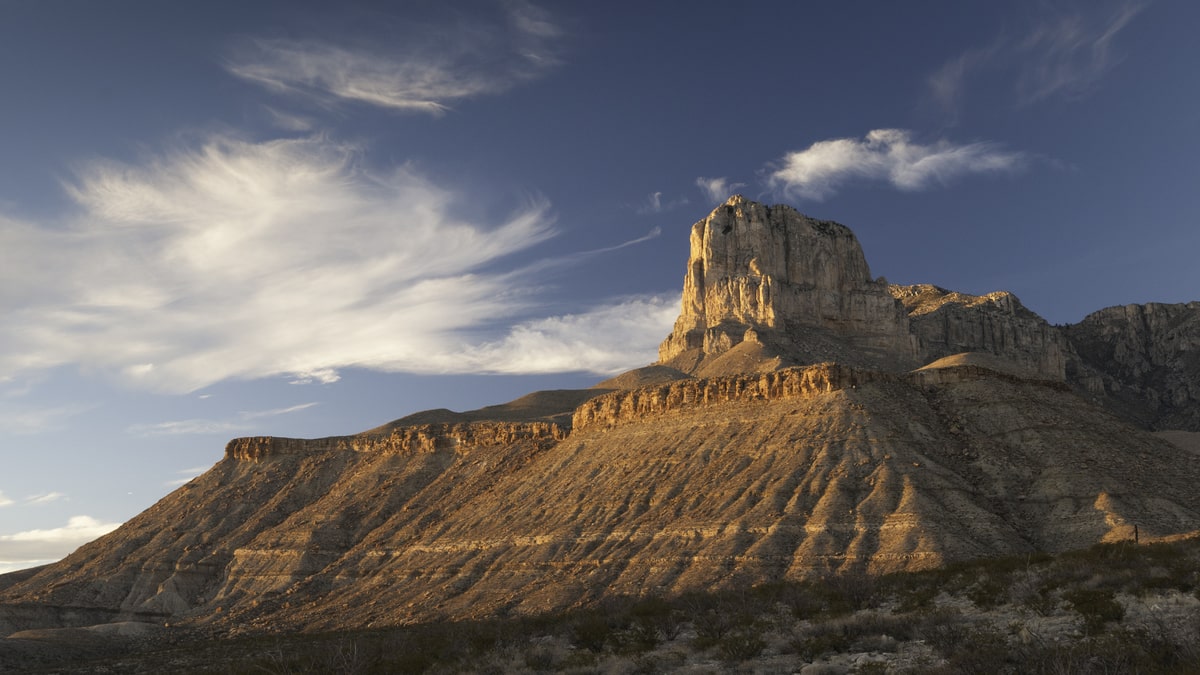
column 769, row 274
column 1142, row 361
column 946, row 323
column 767, row 287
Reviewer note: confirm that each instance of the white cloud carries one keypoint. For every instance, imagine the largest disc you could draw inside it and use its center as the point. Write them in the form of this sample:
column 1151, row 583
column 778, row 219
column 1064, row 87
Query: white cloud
column 204, row 426
column 256, row 414
column 423, row 69
column 7, row 566
column 654, row 203
column 888, row 155
column 188, row 476
column 5, row 501
column 188, row 428
column 1065, row 53
column 717, row 190
column 245, row 260
column 35, row 547
column 45, row 498
column 606, row 339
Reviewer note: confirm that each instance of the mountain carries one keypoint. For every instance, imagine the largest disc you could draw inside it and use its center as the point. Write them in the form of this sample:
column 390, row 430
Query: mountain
column 804, row 419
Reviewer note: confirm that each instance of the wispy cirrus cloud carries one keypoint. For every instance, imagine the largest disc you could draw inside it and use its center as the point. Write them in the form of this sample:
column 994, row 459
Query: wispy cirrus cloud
column 888, row 155
column 242, row 259
column 33, row 500
column 1066, row 52
column 424, row 69
column 718, row 189
column 242, row 422
column 36, row 547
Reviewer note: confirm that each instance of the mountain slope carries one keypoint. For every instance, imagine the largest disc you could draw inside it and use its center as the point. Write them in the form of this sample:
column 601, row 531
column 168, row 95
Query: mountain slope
column 805, row 420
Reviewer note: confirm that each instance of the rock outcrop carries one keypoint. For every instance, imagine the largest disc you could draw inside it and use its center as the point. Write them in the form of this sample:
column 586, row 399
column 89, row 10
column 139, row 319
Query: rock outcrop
column 768, row 274
column 1142, row 361
column 767, row 287
column 947, row 323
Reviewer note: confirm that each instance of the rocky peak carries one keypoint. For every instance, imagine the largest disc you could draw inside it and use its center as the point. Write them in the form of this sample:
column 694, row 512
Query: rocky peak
column 767, row 273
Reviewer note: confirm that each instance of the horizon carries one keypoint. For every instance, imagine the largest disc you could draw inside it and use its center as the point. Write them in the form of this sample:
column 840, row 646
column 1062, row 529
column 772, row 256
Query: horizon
column 297, row 220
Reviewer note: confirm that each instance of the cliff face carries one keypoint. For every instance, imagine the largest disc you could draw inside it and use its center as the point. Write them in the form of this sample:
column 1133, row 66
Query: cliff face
column 1142, row 361
column 418, row 438
column 946, row 323
column 757, row 272
column 799, row 291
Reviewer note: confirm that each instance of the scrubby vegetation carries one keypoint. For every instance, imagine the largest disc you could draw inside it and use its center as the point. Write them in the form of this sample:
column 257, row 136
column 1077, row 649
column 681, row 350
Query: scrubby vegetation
column 1113, row 608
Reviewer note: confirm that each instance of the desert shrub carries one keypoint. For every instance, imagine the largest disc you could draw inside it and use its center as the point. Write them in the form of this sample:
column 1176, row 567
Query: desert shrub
column 540, row 657
column 591, row 630
column 872, row 668
column 1096, row 606
column 710, row 627
column 943, row 630
column 663, row 616
column 639, row 636
column 873, row 624
column 741, row 645
column 813, row 646
column 990, row 591
column 983, row 650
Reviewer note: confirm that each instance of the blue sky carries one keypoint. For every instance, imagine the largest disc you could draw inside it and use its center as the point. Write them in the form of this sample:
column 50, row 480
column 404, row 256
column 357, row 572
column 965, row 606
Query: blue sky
column 299, row 218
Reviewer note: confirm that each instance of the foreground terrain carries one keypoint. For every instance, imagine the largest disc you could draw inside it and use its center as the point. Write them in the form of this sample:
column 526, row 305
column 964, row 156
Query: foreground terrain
column 1113, row 608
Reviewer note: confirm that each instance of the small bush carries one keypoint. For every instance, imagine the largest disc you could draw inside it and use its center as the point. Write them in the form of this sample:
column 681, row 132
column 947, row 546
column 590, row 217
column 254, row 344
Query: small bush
column 741, row 645
column 1096, row 606
column 814, row 646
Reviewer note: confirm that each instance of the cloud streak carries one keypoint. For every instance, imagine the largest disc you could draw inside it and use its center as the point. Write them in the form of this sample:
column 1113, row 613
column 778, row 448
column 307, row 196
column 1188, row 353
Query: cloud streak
column 1065, row 54
column 888, row 155
column 205, row 426
column 431, row 67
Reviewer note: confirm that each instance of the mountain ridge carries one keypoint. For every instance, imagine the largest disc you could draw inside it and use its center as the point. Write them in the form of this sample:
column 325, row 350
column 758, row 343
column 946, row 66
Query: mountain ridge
column 775, row 439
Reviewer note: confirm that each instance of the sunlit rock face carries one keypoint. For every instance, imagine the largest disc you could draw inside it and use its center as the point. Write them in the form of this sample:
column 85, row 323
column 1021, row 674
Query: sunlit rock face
column 771, row 274
column 801, row 291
